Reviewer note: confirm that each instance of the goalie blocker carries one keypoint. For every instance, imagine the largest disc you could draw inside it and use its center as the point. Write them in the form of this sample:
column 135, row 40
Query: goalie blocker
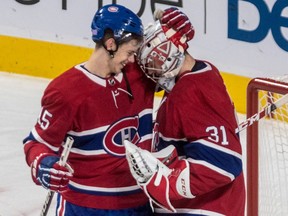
column 159, row 182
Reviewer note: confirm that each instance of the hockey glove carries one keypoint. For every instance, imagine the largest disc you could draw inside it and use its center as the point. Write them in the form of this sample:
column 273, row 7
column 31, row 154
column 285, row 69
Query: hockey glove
column 176, row 26
column 47, row 172
column 159, row 182
column 144, row 164
column 141, row 164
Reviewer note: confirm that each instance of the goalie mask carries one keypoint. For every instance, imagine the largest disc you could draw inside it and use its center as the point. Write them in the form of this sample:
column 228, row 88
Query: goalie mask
column 158, row 56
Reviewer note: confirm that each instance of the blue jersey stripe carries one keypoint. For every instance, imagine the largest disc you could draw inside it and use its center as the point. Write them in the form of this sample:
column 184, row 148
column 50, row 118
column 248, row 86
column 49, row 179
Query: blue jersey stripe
column 223, row 160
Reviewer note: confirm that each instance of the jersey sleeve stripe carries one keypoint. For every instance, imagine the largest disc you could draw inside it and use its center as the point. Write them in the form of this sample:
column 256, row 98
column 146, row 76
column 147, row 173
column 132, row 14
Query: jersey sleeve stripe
column 212, row 167
column 217, row 157
column 36, row 137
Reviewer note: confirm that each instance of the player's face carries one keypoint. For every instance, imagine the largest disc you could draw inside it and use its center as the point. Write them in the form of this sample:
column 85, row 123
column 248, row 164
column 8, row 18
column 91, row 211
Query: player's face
column 125, row 54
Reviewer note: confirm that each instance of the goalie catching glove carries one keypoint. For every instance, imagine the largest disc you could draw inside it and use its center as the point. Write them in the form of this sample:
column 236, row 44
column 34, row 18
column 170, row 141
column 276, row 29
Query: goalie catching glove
column 47, row 172
column 176, row 26
column 159, row 182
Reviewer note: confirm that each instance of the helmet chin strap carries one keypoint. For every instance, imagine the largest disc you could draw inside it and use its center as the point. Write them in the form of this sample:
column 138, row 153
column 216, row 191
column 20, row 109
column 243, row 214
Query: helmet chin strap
column 111, row 52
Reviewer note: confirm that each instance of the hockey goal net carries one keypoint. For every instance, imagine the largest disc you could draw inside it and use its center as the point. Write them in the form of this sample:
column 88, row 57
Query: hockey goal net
column 267, row 149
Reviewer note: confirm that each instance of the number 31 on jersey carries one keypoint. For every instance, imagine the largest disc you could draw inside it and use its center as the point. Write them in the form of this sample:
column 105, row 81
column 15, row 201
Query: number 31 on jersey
column 217, row 134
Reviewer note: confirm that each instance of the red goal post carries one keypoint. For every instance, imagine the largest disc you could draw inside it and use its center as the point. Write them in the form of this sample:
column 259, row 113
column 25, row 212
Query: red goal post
column 267, row 149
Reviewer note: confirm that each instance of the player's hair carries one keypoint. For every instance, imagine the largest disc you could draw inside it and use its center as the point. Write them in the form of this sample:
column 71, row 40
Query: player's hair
column 127, row 36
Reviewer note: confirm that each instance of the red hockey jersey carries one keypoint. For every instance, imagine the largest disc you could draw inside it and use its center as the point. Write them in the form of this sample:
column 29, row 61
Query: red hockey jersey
column 99, row 114
column 198, row 118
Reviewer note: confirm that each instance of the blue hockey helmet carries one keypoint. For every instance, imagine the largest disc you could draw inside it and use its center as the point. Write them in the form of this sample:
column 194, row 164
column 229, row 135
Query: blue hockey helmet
column 117, row 18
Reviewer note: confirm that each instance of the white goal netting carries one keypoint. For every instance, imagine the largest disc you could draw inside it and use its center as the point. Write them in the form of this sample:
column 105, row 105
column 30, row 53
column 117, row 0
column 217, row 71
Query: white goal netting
column 273, row 157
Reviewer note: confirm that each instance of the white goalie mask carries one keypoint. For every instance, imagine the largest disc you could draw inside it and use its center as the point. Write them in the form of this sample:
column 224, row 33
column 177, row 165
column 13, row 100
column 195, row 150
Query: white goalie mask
column 158, row 57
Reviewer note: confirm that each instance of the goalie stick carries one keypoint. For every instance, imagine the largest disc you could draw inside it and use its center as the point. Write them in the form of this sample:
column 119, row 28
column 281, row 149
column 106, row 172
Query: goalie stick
column 62, row 162
column 264, row 112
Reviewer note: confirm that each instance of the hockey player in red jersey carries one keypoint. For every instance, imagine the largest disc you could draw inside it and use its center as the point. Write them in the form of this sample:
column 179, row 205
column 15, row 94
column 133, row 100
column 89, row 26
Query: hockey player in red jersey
column 99, row 103
column 197, row 118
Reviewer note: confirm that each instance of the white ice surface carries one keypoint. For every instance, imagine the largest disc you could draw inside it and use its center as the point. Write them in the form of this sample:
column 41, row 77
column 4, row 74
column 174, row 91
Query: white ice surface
column 19, row 107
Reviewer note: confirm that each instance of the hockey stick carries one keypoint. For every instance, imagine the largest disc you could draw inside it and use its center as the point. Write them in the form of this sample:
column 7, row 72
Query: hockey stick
column 264, row 112
column 62, row 162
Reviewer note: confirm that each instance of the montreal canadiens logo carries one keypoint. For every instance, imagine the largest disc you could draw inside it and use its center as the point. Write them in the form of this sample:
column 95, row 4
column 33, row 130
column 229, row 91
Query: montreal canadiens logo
column 113, row 9
column 125, row 129
column 160, row 53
